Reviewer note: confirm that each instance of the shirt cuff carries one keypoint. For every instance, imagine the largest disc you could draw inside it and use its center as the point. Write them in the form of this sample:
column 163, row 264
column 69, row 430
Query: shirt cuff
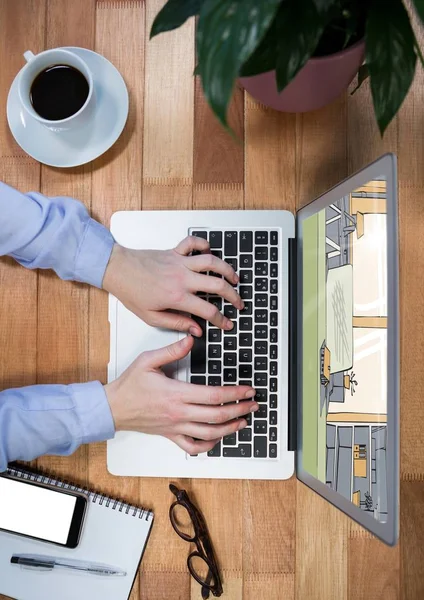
column 93, row 411
column 93, row 254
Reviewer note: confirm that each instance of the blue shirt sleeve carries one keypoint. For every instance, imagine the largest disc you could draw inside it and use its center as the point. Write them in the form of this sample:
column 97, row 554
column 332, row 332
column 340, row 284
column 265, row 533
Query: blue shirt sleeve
column 52, row 419
column 58, row 234
column 53, row 233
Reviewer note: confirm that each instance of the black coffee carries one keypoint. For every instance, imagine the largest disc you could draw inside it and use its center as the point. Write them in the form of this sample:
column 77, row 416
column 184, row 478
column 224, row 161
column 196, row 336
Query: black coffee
column 59, row 92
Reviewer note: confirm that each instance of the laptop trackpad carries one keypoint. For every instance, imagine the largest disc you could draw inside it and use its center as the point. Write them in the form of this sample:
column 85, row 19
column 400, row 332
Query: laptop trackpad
column 133, row 337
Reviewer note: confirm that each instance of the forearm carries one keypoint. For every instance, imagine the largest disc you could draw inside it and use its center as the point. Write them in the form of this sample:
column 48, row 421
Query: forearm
column 52, row 419
column 53, row 233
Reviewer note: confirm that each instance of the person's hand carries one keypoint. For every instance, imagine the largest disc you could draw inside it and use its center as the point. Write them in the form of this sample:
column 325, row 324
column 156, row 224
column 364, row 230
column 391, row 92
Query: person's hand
column 160, row 285
column 144, row 399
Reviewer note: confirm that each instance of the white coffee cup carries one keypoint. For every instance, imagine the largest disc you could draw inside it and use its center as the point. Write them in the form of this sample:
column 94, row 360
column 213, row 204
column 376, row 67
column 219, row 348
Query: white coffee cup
column 36, row 63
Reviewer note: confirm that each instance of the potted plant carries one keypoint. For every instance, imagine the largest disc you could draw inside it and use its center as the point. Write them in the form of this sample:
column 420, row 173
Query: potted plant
column 298, row 55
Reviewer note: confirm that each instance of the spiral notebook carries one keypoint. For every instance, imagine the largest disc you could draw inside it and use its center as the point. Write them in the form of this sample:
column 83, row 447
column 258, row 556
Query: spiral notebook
column 114, row 533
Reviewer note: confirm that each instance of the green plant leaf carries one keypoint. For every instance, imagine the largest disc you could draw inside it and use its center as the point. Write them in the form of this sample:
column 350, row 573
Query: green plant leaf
column 390, row 56
column 323, row 5
column 174, row 14
column 264, row 57
column 419, row 7
column 228, row 32
column 363, row 75
column 299, row 27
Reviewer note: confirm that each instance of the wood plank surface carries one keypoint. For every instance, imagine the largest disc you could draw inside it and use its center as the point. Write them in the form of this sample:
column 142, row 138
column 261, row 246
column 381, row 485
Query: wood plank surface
column 274, row 540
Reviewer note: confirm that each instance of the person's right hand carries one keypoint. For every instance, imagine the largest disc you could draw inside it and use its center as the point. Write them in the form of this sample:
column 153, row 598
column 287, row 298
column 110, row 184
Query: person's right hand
column 144, row 399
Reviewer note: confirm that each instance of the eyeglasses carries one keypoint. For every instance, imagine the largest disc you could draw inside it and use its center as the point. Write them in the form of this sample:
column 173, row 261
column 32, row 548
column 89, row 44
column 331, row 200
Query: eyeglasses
column 188, row 522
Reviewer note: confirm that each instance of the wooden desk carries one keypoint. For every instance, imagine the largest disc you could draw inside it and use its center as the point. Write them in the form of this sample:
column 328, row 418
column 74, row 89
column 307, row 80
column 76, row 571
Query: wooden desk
column 274, row 540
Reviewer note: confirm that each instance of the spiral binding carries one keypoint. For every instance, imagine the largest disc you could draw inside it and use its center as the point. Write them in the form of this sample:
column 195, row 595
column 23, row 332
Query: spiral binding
column 94, row 497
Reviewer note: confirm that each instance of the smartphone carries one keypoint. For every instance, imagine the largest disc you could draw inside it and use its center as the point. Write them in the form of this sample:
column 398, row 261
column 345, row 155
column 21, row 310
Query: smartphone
column 41, row 512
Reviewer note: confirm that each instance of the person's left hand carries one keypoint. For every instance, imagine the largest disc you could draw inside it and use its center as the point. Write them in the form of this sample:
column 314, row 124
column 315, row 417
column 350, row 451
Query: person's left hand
column 160, row 286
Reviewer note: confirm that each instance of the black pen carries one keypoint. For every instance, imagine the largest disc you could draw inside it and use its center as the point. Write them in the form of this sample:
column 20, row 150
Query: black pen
column 48, row 563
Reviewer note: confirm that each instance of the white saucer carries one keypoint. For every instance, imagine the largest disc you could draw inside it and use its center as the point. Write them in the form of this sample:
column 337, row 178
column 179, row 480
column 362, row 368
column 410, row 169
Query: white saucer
column 73, row 148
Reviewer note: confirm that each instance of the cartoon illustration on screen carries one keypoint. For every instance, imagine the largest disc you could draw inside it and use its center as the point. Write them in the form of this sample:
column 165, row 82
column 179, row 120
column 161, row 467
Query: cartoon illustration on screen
column 345, row 347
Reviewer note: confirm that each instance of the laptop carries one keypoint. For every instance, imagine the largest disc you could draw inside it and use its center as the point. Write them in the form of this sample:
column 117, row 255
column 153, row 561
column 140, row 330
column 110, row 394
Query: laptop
column 318, row 339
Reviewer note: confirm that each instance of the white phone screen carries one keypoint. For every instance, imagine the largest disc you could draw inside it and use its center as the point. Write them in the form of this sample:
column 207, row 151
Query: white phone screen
column 35, row 511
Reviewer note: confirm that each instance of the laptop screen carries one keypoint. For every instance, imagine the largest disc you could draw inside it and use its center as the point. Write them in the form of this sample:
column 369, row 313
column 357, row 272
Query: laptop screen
column 344, row 356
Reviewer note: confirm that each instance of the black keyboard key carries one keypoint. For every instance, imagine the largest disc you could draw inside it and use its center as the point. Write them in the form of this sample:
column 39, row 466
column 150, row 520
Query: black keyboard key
column 214, row 380
column 273, row 338
column 261, row 316
column 214, row 351
column 273, row 401
column 248, row 419
column 198, row 353
column 261, row 363
column 261, row 380
column 246, row 261
column 261, row 284
column 273, row 238
column 230, row 375
column 230, row 343
column 261, row 253
column 272, row 434
column 260, row 427
column 230, row 359
column 261, row 301
column 245, row 339
column 247, row 310
column 216, row 301
column 273, row 369
column 273, row 451
column 214, row 335
column 274, row 303
column 261, row 347
column 198, row 380
column 214, row 367
column 230, row 311
column 200, row 234
column 246, row 324
column 232, row 262
column 245, row 371
column 245, row 435
column 247, row 382
column 215, row 239
column 216, row 450
column 260, row 446
column 274, row 286
column 273, row 417
column 245, row 355
column 261, row 269
column 246, row 241
column 229, row 440
column 230, row 243
column 261, row 237
column 232, row 331
column 246, row 276
column 246, row 292
column 261, row 395
column 262, row 412
column 261, row 332
column 274, row 254
column 273, row 270
column 272, row 385
column 243, row 451
column 217, row 253
column 273, row 320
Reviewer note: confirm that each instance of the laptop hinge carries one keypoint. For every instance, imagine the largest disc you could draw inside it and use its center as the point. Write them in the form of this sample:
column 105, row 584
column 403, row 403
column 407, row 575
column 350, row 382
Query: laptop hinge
column 292, row 354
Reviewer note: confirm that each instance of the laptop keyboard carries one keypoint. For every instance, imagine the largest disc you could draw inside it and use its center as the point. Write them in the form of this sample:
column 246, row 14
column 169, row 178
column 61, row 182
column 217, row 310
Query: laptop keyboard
column 248, row 353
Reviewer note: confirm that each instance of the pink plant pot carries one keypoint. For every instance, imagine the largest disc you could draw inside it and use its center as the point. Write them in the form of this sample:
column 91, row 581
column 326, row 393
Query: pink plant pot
column 320, row 81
